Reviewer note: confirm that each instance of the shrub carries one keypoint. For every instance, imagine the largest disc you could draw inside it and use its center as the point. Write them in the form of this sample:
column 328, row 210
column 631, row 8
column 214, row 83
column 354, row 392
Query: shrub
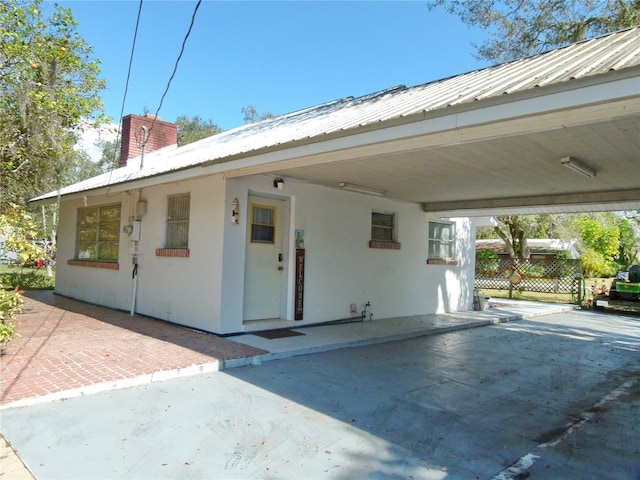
column 487, row 260
column 27, row 279
column 10, row 306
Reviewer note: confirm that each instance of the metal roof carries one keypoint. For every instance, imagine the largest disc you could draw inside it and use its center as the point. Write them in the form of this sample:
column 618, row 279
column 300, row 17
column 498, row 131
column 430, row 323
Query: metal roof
column 589, row 58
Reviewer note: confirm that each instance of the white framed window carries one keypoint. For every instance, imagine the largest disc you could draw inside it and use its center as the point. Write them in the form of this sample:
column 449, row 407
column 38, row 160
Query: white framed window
column 442, row 241
column 263, row 224
column 177, row 233
column 98, row 233
column 383, row 226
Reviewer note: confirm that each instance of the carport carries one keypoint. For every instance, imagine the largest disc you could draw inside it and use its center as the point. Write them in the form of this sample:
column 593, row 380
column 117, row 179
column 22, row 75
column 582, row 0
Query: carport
column 558, row 132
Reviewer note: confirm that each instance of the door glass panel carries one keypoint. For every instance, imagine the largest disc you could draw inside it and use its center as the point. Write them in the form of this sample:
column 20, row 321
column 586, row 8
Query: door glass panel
column 263, row 224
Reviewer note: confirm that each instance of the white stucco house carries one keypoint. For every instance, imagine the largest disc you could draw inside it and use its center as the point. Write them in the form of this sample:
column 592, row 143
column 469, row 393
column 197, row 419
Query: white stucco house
column 360, row 204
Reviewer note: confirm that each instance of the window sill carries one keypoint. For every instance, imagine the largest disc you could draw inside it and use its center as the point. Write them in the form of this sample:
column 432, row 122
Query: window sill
column 384, row 245
column 94, row 264
column 172, row 252
column 441, row 261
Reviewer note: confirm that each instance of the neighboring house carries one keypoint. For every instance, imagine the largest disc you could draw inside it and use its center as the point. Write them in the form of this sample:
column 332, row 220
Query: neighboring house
column 311, row 216
column 545, row 249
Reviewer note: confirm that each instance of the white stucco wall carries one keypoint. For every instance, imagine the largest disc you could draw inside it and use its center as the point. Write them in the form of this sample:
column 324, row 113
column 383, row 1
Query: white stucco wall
column 181, row 290
column 206, row 289
column 340, row 267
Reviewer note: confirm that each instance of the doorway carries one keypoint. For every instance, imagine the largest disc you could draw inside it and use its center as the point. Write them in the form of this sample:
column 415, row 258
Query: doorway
column 264, row 275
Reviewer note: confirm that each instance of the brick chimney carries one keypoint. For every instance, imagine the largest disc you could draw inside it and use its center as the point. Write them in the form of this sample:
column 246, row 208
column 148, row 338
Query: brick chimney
column 162, row 134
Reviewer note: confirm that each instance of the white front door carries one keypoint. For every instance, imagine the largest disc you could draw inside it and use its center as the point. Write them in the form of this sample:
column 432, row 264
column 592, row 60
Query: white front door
column 264, row 261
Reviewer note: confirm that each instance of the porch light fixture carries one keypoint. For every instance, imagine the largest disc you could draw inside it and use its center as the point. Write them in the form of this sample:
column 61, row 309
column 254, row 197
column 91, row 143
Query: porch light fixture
column 360, row 189
column 278, row 183
column 578, row 167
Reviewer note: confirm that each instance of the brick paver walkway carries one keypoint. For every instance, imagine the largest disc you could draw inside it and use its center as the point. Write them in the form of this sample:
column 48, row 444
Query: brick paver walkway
column 66, row 344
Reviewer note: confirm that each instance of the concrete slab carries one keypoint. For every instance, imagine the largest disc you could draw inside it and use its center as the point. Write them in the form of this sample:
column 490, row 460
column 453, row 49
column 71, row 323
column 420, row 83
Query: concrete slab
column 323, row 338
column 432, row 407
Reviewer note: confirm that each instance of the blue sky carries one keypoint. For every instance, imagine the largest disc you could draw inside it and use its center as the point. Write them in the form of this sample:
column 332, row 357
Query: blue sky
column 278, row 56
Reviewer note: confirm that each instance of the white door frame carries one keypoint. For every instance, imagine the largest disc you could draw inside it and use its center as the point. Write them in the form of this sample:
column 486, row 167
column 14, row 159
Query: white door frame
column 282, row 231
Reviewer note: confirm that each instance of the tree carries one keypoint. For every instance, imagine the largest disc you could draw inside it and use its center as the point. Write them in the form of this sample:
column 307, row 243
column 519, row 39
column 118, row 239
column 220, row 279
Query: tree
column 195, row 128
column 629, row 242
column 110, row 156
column 251, row 115
column 515, row 236
column 526, row 27
column 21, row 236
column 50, row 88
column 608, row 242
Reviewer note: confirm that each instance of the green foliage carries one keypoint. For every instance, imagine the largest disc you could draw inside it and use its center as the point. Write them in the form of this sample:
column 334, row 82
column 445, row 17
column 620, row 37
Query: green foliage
column 595, row 264
column 81, row 167
column 23, row 240
column 629, row 242
column 251, row 115
column 110, row 155
column 486, row 255
column 195, row 128
column 10, row 306
column 603, row 237
column 524, row 28
column 487, row 260
column 608, row 243
column 49, row 88
column 27, row 278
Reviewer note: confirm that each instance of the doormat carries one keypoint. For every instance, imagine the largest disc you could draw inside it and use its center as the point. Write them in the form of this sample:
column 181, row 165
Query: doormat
column 273, row 334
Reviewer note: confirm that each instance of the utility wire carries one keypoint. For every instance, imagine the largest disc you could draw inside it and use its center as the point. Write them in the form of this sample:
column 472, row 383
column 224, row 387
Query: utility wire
column 126, row 88
column 175, row 68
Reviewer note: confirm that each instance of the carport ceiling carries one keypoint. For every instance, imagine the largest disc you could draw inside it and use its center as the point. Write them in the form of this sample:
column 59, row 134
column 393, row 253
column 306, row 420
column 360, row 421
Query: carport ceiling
column 513, row 174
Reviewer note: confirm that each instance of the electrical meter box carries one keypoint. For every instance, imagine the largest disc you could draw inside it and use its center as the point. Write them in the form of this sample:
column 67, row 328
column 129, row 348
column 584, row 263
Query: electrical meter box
column 135, row 233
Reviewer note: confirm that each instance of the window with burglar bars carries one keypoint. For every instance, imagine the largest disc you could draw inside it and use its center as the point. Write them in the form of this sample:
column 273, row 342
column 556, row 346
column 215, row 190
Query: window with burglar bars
column 441, row 241
column 383, row 226
column 98, row 233
column 177, row 221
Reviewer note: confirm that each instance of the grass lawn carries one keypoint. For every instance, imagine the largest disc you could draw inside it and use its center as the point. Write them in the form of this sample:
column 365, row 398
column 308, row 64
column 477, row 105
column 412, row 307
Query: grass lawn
column 26, row 278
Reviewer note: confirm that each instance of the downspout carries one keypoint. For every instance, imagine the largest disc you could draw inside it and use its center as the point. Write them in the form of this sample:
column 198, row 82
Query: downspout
column 134, row 243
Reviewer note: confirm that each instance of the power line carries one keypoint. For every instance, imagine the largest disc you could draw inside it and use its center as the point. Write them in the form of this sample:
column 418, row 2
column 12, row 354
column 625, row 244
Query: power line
column 175, row 68
column 126, row 86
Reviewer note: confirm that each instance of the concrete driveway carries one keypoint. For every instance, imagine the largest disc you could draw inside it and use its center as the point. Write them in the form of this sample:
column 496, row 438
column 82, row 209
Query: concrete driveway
column 553, row 397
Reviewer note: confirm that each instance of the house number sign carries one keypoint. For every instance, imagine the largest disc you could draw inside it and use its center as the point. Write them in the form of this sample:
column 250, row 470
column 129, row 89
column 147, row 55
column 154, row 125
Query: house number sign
column 299, row 296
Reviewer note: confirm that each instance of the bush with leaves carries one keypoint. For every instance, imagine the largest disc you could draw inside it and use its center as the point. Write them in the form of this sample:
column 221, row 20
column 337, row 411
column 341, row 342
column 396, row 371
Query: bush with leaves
column 22, row 238
column 10, row 307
